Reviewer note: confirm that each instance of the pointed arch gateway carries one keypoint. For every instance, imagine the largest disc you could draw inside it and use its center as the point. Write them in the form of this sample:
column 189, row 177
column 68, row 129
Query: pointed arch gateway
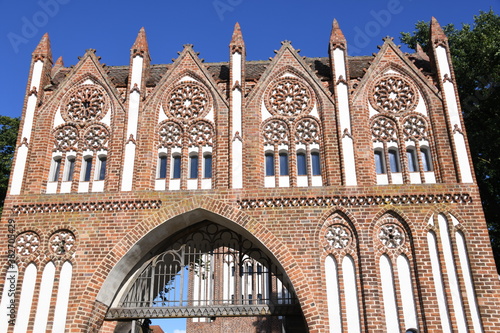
column 199, row 264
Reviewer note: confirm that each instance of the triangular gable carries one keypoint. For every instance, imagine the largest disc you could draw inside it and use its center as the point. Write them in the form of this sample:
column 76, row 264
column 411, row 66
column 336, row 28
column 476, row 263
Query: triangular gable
column 89, row 67
column 390, row 55
column 188, row 59
column 288, row 57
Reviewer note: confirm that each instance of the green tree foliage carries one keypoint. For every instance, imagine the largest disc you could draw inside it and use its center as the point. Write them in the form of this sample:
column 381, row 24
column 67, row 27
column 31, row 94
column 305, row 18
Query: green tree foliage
column 8, row 135
column 475, row 51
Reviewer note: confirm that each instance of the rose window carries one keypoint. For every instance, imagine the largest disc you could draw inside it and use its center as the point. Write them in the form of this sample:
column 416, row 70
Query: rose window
column 415, row 127
column 201, row 133
column 289, row 97
column 393, row 93
column 188, row 100
column 66, row 138
column 96, row 137
column 384, row 130
column 307, row 131
column 27, row 243
column 170, row 135
column 338, row 236
column 62, row 242
column 275, row 131
column 391, row 235
column 86, row 103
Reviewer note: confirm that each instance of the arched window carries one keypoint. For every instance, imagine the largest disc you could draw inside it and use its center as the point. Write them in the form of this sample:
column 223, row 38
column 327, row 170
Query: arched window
column 412, row 159
column 162, row 166
column 394, row 160
column 193, row 166
column 301, row 163
column 176, row 166
column 87, row 168
column 56, row 168
column 207, row 165
column 315, row 163
column 102, row 167
column 426, row 159
column 269, row 164
column 379, row 162
column 283, row 163
column 70, row 168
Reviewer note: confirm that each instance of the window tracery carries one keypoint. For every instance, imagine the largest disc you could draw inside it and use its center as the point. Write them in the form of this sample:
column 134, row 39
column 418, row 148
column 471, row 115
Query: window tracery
column 291, row 135
column 399, row 132
column 27, row 243
column 83, row 135
column 188, row 100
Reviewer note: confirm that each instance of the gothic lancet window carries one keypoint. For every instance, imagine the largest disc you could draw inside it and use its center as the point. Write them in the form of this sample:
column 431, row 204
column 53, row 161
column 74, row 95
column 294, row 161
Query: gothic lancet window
column 401, row 134
column 81, row 139
column 291, row 135
column 185, row 139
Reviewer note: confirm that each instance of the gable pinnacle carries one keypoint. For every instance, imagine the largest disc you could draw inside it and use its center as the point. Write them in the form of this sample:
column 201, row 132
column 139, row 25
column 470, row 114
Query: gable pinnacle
column 43, row 49
column 237, row 44
column 337, row 38
column 140, row 46
column 437, row 35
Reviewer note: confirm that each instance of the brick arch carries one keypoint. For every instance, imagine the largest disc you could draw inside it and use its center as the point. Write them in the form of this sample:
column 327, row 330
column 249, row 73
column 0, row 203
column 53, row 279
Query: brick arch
column 110, row 275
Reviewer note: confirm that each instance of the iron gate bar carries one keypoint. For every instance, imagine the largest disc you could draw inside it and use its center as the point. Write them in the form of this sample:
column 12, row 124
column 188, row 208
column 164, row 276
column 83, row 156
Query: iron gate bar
column 204, row 311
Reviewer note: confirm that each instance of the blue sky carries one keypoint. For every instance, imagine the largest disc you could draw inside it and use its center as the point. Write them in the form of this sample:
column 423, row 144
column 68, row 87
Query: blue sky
column 110, row 27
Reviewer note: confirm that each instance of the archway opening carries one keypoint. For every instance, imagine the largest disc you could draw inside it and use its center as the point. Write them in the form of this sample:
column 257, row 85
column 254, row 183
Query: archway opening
column 213, row 276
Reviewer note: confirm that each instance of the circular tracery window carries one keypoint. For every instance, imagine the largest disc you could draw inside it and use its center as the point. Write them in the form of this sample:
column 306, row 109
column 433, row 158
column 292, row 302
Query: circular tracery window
column 85, row 103
column 289, row 97
column 391, row 235
column 393, row 93
column 188, row 100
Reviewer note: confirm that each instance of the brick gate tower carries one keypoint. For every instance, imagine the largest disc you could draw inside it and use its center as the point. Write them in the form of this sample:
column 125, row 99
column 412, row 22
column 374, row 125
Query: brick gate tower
column 294, row 194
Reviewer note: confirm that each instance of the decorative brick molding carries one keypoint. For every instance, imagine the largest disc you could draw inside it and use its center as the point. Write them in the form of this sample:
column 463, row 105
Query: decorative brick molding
column 355, row 200
column 86, row 206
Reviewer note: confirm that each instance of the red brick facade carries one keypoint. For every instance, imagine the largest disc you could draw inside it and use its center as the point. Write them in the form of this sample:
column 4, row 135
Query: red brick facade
column 290, row 105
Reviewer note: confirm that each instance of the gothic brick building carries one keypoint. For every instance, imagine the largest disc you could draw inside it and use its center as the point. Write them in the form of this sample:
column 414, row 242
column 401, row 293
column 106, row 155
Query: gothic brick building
column 297, row 194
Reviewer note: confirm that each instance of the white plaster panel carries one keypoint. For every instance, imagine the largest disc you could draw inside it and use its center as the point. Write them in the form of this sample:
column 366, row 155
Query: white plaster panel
column 382, row 179
column 107, row 118
column 397, row 178
column 83, row 187
column 314, row 111
column 210, row 115
column 389, row 298
column 174, row 184
column 264, row 112
column 18, row 173
column 36, row 77
column 187, row 78
column 415, row 178
column 451, row 102
column 44, row 297
column 192, row 184
column 421, row 107
column 63, row 291
column 236, row 67
column 351, row 295
column 438, row 281
column 26, row 299
column 391, row 71
column 333, row 295
column 442, row 60
column 58, row 119
column 317, row 181
column 302, row 181
column 284, row 181
column 349, row 162
column 7, row 305
column 237, row 164
column 469, row 285
column 463, row 158
column 65, row 187
column 162, row 116
column 136, row 71
column 28, row 118
column 206, row 183
column 236, row 111
column 133, row 113
column 269, row 181
column 452, row 274
column 51, row 188
column 404, row 274
column 371, row 110
column 339, row 63
column 160, row 184
column 288, row 74
column 128, row 167
column 344, row 114
column 98, row 186
column 88, row 81
column 430, row 177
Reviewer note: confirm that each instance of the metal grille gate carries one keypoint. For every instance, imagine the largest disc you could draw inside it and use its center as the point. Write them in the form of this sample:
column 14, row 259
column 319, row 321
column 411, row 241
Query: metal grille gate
column 209, row 272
